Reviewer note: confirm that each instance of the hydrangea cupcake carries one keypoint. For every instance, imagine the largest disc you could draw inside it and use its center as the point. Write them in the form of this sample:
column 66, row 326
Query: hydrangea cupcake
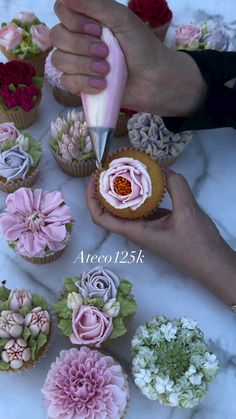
column 25, row 328
column 121, row 127
column 194, row 37
column 19, row 158
column 20, row 93
column 148, row 133
column 172, row 363
column 85, row 384
column 36, row 224
column 72, row 146
column 155, row 13
column 26, row 38
column 95, row 308
column 61, row 95
column 130, row 185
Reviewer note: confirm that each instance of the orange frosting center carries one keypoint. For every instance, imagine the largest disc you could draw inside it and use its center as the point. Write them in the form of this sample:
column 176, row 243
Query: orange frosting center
column 122, row 186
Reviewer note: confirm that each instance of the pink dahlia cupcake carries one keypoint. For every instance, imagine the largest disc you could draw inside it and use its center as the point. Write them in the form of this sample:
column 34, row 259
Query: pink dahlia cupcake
column 155, row 13
column 60, row 94
column 36, row 224
column 19, row 158
column 95, row 307
column 27, row 39
column 72, row 146
column 85, row 384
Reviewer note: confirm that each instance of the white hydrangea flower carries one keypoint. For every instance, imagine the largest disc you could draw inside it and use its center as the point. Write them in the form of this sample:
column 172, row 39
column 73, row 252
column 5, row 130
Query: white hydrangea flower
column 188, row 323
column 143, row 377
column 211, row 361
column 169, row 331
column 196, row 379
column 192, row 370
column 163, row 384
column 174, row 399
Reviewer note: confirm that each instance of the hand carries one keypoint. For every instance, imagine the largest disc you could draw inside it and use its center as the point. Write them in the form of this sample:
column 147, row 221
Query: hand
column 161, row 81
column 185, row 237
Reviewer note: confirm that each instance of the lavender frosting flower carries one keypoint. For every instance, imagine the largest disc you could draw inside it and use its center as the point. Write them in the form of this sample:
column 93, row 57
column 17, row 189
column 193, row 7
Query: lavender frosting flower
column 99, row 282
column 217, row 39
column 15, row 163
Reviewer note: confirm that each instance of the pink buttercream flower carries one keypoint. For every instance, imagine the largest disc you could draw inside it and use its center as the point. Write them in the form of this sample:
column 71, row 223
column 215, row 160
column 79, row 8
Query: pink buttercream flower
column 51, row 73
column 8, row 132
column 10, row 36
column 36, row 220
column 38, row 320
column 85, row 384
column 187, row 34
column 40, row 36
column 20, row 298
column 90, row 326
column 126, row 183
column 15, row 353
column 25, row 17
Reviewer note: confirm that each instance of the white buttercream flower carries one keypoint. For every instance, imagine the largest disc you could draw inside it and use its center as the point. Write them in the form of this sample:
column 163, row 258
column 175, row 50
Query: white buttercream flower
column 163, row 384
column 211, row 361
column 23, row 141
column 188, row 323
column 74, row 301
column 111, row 308
column 169, row 331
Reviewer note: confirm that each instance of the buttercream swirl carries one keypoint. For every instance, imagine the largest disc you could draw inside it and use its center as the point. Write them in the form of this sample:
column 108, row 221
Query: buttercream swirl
column 15, row 163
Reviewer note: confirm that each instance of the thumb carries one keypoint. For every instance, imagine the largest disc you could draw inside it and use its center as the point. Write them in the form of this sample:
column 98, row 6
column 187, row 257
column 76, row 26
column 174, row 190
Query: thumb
column 179, row 190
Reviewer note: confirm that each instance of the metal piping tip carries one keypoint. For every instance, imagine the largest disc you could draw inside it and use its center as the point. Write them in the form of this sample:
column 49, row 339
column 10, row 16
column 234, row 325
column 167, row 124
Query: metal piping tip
column 101, row 138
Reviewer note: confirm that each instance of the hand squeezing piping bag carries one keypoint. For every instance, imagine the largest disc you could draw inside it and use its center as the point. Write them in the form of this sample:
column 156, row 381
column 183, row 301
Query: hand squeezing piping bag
column 102, row 109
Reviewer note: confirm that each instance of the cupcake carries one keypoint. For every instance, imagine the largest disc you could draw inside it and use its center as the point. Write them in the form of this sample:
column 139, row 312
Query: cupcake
column 172, row 363
column 155, row 13
column 25, row 38
column 25, row 328
column 130, row 185
column 60, row 94
column 71, row 145
column 148, row 133
column 94, row 308
column 36, row 224
column 85, row 384
column 20, row 93
column 121, row 127
column 19, row 158
column 193, row 38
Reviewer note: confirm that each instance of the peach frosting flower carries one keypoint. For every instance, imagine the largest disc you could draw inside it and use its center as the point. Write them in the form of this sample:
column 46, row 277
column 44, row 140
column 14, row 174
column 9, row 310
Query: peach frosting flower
column 10, row 36
column 40, row 36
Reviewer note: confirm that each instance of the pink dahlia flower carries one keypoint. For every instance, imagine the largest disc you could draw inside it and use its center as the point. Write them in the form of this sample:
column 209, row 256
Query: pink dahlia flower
column 85, row 384
column 35, row 220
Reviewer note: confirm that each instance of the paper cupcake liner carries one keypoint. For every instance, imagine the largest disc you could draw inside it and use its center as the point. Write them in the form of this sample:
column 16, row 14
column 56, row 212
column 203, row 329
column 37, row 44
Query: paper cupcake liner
column 75, row 169
column 121, row 127
column 161, row 31
column 13, row 185
column 65, row 98
column 45, row 259
column 20, row 118
column 38, row 61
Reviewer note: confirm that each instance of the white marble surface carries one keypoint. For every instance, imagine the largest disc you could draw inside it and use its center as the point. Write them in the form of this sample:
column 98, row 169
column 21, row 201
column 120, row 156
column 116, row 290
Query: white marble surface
column 209, row 165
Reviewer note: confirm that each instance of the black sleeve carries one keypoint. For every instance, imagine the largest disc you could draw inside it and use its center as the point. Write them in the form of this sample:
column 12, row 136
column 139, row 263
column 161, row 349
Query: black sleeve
column 219, row 108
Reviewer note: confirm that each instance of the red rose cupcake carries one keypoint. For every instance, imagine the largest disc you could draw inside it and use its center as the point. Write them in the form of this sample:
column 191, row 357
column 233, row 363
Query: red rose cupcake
column 155, row 13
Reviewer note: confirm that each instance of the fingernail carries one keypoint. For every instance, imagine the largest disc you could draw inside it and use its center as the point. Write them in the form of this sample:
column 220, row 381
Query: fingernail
column 97, row 83
column 92, row 29
column 99, row 50
column 100, row 67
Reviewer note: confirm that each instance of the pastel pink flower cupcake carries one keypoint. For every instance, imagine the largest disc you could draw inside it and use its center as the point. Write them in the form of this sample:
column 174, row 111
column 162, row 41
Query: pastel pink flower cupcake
column 85, row 384
column 37, row 224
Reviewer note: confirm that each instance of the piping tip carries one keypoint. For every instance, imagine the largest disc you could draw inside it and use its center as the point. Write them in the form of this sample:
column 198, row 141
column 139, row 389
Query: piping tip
column 101, row 138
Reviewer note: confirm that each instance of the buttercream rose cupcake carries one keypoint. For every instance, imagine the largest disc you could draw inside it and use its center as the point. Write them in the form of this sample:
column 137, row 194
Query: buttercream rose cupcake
column 130, row 185
column 60, row 94
column 19, row 158
column 148, row 133
column 36, row 224
column 71, row 144
column 194, row 37
column 25, row 328
column 85, row 384
column 95, row 307
column 26, row 38
column 20, row 93
column 155, row 13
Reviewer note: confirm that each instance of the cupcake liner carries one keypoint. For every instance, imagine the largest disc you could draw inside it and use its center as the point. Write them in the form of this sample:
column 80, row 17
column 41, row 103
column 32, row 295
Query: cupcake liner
column 121, row 127
column 13, row 185
column 38, row 61
column 20, row 118
column 65, row 98
column 45, row 259
column 75, row 169
column 161, row 31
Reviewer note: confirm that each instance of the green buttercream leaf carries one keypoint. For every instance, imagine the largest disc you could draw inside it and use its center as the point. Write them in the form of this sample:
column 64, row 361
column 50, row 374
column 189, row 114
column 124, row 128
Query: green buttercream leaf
column 55, row 146
column 35, row 150
column 127, row 307
column 33, row 346
column 12, row 88
column 26, row 333
column 4, row 365
column 69, row 227
column 85, row 156
column 119, row 328
column 41, row 340
column 97, row 302
column 3, row 24
column 3, row 342
column 66, row 327
column 4, row 293
column 24, row 311
column 125, row 287
column 39, row 301
column 7, row 145
column 38, row 81
column 62, row 311
column 4, row 305
column 69, row 284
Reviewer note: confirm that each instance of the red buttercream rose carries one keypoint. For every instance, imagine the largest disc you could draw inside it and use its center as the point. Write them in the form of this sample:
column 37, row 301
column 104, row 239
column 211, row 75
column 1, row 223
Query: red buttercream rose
column 16, row 72
column 153, row 12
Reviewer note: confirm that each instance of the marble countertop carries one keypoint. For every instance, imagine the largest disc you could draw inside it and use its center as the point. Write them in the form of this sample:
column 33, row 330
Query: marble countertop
column 209, row 165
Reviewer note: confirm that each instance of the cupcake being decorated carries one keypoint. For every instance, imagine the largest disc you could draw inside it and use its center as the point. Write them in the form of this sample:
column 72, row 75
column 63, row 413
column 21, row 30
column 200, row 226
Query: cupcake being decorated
column 155, row 13
column 26, row 38
column 60, row 94
column 20, row 93
column 19, row 158
column 36, row 224
column 71, row 144
column 149, row 134
column 25, row 328
column 85, row 384
column 172, row 363
column 130, row 185
column 193, row 37
column 95, row 308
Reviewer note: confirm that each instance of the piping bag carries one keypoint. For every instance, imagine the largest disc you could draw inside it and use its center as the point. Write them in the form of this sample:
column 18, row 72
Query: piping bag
column 102, row 109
